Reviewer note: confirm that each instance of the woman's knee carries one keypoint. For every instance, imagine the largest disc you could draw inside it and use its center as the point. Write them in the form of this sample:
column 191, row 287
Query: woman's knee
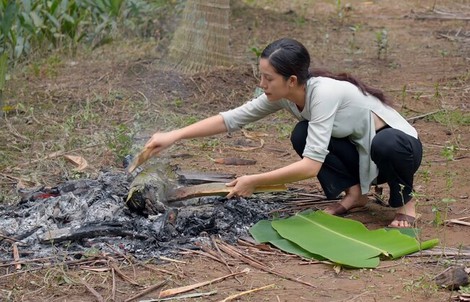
column 298, row 137
column 384, row 144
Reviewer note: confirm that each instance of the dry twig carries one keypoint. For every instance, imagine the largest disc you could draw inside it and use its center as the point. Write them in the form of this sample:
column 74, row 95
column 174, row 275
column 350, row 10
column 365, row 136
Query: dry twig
column 147, row 290
column 246, row 292
column 174, row 291
column 92, row 291
column 122, row 275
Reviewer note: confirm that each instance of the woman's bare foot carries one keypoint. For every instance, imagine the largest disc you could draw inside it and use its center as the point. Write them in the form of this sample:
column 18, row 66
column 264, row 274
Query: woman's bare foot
column 405, row 216
column 352, row 199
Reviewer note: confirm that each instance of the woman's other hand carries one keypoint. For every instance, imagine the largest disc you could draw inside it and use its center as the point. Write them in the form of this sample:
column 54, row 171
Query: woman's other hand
column 242, row 187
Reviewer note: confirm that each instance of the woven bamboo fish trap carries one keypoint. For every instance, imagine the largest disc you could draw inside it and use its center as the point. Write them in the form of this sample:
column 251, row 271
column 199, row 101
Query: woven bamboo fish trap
column 201, row 41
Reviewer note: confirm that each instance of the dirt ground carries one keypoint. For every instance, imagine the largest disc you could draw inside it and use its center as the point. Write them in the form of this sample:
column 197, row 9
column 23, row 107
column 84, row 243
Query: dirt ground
column 424, row 67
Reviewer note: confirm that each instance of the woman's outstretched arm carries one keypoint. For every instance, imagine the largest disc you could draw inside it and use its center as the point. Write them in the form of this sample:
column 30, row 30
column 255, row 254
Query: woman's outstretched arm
column 206, row 127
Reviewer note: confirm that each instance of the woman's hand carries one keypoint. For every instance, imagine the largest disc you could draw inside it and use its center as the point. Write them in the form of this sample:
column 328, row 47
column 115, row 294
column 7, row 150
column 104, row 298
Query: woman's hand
column 160, row 141
column 243, row 186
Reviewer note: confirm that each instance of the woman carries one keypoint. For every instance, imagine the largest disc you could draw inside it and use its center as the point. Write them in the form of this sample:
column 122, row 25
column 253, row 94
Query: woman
column 347, row 136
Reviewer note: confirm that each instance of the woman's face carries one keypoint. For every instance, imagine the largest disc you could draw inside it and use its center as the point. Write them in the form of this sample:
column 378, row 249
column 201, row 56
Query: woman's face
column 274, row 85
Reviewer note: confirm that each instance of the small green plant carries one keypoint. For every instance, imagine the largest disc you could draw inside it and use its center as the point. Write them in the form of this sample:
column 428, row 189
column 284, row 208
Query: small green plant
column 381, row 41
column 448, row 152
column 443, row 53
column 465, row 290
column 339, row 10
column 403, row 95
column 257, row 51
column 209, row 143
column 426, row 174
column 189, row 120
column 353, row 47
column 178, row 102
column 437, row 93
column 440, row 215
column 120, row 142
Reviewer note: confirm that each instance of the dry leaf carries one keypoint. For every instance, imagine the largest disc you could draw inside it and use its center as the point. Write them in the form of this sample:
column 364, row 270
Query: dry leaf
column 139, row 159
column 79, row 161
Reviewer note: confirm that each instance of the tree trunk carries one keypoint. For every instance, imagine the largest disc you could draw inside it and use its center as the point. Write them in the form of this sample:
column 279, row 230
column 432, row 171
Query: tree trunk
column 201, row 41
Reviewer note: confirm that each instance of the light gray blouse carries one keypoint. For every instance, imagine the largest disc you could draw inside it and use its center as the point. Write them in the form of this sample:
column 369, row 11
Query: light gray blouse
column 334, row 109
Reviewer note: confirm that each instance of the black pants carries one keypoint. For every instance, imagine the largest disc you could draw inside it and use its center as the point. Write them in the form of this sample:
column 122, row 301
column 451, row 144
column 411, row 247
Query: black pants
column 396, row 154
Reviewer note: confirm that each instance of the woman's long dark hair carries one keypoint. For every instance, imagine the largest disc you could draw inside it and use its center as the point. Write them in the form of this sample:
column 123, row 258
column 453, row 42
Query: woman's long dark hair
column 289, row 57
column 365, row 89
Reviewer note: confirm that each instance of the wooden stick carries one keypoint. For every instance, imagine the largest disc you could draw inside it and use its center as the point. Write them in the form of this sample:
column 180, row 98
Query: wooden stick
column 423, row 17
column 444, row 252
column 464, row 218
column 147, row 290
column 171, row 260
column 246, row 292
column 16, row 256
column 183, row 289
column 457, row 221
column 113, row 290
column 187, row 296
column 413, row 118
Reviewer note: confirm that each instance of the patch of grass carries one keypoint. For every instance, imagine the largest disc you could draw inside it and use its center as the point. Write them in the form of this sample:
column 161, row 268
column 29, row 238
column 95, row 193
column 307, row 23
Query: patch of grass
column 424, row 284
column 47, row 67
column 454, row 117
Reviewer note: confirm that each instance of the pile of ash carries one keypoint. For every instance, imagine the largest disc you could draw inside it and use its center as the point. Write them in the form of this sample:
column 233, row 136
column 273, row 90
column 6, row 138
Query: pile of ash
column 80, row 215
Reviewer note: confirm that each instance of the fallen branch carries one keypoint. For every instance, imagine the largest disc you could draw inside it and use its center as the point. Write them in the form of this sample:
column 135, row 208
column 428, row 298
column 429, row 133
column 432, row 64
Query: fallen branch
column 174, row 291
column 147, row 290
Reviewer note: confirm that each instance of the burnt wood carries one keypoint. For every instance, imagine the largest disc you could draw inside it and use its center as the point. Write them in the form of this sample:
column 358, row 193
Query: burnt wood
column 158, row 186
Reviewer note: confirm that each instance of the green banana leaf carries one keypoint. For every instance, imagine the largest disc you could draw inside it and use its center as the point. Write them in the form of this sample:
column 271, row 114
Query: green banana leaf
column 343, row 241
column 263, row 232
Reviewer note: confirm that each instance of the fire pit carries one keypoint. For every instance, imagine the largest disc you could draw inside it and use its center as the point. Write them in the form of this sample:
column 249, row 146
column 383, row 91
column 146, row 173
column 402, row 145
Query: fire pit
column 82, row 215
